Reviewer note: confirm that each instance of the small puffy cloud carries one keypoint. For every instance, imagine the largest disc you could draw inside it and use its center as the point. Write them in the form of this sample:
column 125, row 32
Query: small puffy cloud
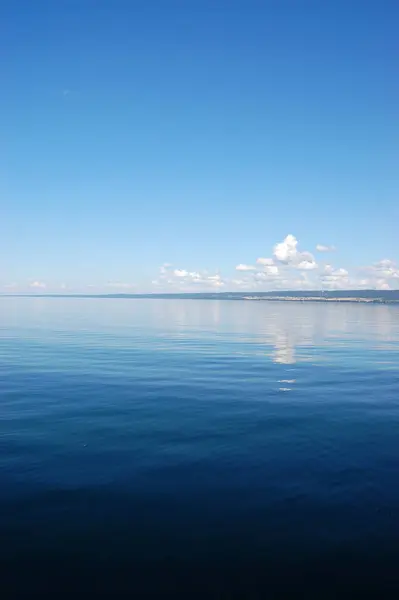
column 328, row 269
column 242, row 267
column 267, row 275
column 296, row 283
column 271, row 270
column 382, row 275
column 340, row 272
column 307, row 265
column 180, row 273
column 265, row 261
column 38, row 285
column 336, row 278
column 216, row 277
column 386, row 263
column 385, row 268
column 325, row 248
column 287, row 253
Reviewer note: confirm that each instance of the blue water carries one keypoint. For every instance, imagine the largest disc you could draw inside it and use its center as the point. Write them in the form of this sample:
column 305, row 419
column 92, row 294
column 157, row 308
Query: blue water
column 210, row 449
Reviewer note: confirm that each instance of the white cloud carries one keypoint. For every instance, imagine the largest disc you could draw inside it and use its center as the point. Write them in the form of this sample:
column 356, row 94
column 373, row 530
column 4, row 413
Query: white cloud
column 381, row 275
column 180, row 273
column 290, row 268
column 183, row 280
column 216, row 277
column 328, row 269
column 341, row 272
column 325, row 248
column 385, row 268
column 265, row 261
column 335, row 278
column 287, row 253
column 307, row 265
column 271, row 270
column 269, row 276
column 242, row 267
column 38, row 285
column 278, row 272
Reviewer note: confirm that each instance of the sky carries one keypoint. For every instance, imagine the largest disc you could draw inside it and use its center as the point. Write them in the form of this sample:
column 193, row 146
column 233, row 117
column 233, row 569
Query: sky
column 174, row 145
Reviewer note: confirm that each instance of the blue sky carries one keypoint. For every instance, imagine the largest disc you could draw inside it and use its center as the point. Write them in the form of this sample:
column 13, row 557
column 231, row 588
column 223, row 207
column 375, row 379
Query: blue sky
column 199, row 134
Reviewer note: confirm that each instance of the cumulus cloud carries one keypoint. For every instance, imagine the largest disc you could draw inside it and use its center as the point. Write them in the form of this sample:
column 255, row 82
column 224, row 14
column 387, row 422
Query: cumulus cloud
column 325, row 248
column 242, row 267
column 381, row 275
column 385, row 268
column 278, row 272
column 335, row 278
column 287, row 253
column 289, row 268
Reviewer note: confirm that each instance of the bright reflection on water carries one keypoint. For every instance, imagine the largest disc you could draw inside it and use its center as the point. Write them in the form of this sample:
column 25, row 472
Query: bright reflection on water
column 286, row 331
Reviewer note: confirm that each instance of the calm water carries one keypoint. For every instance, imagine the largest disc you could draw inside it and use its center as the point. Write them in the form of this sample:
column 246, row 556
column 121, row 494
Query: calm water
column 199, row 448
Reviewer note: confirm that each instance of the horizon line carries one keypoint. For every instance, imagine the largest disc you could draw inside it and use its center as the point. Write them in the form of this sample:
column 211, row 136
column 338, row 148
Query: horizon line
column 208, row 293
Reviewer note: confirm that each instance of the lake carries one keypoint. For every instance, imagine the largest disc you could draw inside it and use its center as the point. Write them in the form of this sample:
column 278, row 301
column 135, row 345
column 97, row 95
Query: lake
column 199, row 448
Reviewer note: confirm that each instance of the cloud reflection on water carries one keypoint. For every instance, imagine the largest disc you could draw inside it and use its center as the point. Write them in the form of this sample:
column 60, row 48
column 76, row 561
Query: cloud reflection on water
column 287, row 332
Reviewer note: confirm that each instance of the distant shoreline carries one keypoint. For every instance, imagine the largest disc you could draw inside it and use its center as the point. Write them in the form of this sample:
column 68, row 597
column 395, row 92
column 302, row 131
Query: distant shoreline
column 346, row 296
column 322, row 299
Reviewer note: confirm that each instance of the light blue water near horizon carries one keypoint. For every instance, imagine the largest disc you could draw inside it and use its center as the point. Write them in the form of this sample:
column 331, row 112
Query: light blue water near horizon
column 211, row 448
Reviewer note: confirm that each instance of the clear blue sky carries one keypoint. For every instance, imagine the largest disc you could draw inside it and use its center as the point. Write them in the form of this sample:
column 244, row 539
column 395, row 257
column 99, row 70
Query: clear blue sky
column 198, row 133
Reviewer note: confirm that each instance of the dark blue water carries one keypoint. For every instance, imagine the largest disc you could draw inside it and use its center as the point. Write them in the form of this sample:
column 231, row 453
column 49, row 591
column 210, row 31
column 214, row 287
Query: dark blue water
column 204, row 449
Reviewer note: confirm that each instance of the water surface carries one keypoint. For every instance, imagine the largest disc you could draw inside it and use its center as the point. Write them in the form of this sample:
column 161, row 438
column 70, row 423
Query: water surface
column 213, row 449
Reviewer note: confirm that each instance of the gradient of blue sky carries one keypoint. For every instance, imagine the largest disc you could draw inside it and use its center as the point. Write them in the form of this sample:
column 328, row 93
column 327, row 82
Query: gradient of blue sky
column 198, row 133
